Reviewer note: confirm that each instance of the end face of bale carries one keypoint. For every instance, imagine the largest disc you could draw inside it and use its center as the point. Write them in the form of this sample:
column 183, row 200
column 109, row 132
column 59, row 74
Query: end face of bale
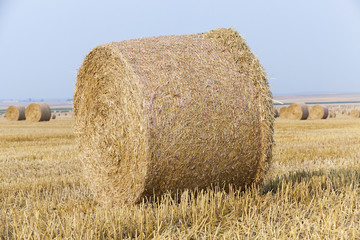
column 297, row 111
column 37, row 112
column 282, row 112
column 171, row 113
column 15, row 113
column 318, row 112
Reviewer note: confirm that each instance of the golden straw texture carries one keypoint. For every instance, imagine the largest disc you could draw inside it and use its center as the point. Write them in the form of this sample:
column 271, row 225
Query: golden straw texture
column 297, row 111
column 37, row 112
column 15, row 113
column 171, row 113
column 318, row 112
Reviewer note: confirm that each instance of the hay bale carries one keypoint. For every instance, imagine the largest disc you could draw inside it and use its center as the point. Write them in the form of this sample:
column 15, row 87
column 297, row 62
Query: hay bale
column 331, row 114
column 53, row 116
column 15, row 113
column 355, row 113
column 37, row 112
column 282, row 112
column 297, row 111
column 170, row 113
column 318, row 112
column 276, row 113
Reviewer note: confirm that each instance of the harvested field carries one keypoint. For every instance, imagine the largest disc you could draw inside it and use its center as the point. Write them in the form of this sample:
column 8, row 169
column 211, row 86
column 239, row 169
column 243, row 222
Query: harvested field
column 311, row 190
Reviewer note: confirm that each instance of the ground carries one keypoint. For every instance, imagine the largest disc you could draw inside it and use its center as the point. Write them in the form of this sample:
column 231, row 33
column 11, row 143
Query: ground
column 312, row 190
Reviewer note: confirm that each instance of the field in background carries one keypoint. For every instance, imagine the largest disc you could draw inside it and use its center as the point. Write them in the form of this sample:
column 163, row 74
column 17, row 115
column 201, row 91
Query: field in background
column 312, row 190
column 320, row 98
column 56, row 106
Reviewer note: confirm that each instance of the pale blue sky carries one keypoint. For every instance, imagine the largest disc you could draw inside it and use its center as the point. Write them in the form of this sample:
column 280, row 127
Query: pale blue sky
column 306, row 46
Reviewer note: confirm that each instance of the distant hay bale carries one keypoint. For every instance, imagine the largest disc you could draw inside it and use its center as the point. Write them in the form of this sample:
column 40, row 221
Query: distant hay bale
column 297, row 111
column 37, row 112
column 318, row 112
column 15, row 113
column 53, row 116
column 282, row 112
column 276, row 113
column 355, row 113
column 171, row 113
column 339, row 112
column 331, row 114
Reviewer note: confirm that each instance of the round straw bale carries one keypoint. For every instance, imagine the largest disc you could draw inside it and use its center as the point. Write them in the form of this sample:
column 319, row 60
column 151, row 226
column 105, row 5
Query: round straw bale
column 297, row 111
column 170, row 113
column 37, row 112
column 355, row 113
column 318, row 112
column 282, row 112
column 15, row 113
column 53, row 116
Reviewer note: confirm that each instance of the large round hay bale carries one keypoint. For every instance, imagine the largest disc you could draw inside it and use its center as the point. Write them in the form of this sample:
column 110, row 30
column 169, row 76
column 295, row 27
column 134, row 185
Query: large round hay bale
column 282, row 112
column 318, row 112
column 37, row 112
column 355, row 113
column 170, row 113
column 15, row 113
column 297, row 111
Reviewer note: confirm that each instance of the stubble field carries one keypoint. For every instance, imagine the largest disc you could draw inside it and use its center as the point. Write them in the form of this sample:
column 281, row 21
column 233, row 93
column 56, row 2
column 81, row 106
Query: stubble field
column 311, row 191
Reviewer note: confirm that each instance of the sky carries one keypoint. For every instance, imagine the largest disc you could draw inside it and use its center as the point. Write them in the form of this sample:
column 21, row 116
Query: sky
column 305, row 46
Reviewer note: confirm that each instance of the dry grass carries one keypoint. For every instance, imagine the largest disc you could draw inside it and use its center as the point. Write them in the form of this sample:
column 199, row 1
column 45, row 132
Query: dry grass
column 312, row 191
